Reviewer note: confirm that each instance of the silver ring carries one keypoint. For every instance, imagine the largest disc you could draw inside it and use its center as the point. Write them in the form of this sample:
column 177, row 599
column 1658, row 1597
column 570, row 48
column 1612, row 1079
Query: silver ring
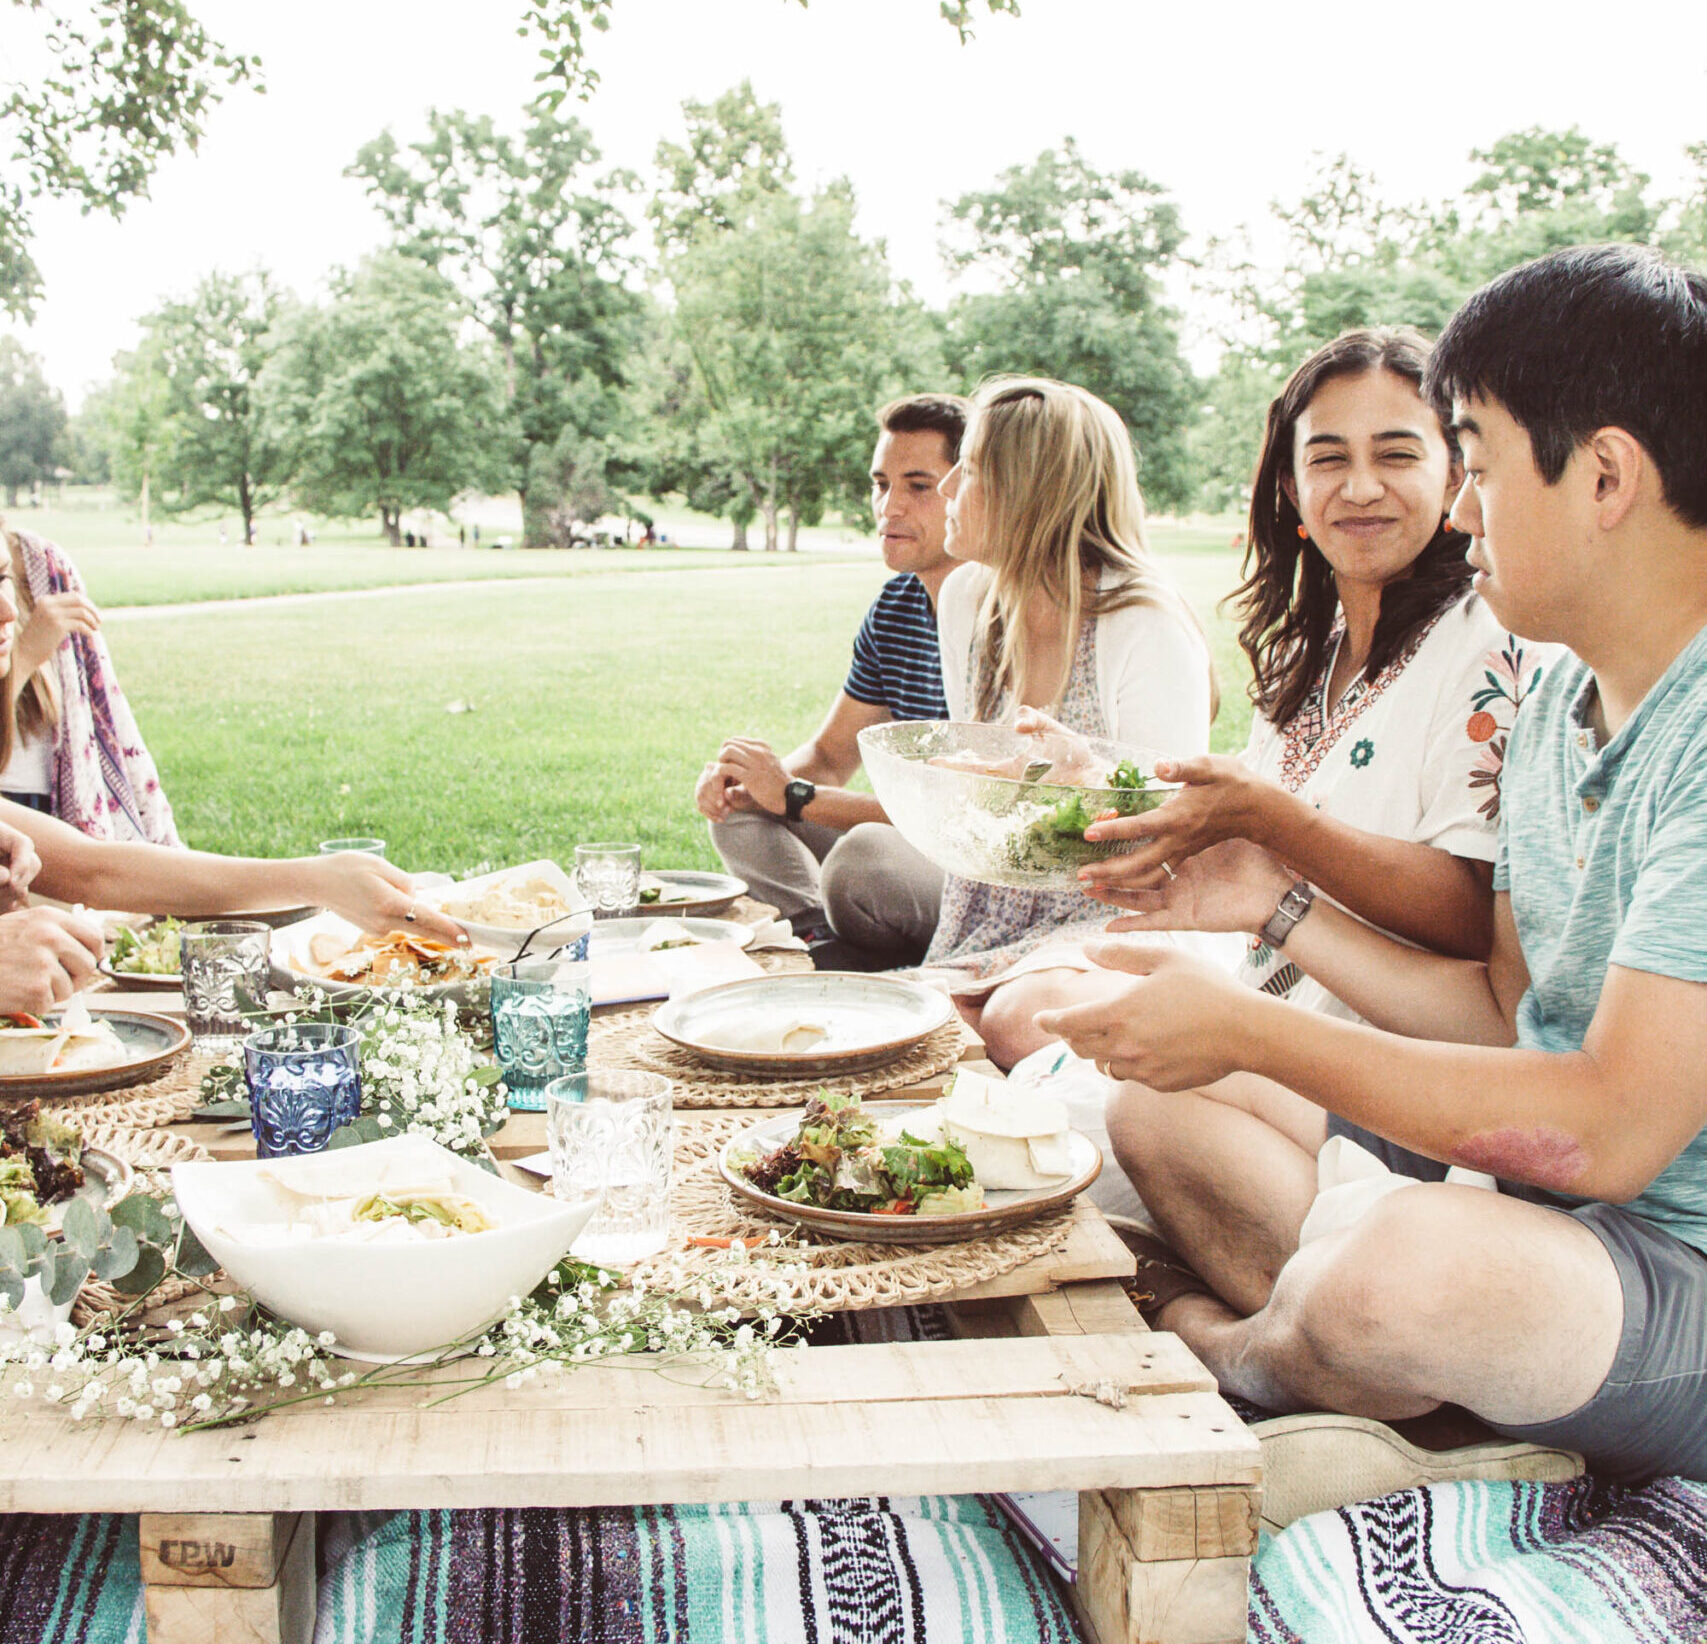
column 1169, row 871
column 409, row 914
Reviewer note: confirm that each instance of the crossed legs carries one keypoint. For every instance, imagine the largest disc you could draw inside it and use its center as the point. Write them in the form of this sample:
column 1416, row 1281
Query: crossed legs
column 1440, row 1294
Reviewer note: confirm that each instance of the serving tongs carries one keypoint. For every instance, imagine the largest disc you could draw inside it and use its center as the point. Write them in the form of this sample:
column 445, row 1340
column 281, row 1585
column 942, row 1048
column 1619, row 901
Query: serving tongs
column 527, row 941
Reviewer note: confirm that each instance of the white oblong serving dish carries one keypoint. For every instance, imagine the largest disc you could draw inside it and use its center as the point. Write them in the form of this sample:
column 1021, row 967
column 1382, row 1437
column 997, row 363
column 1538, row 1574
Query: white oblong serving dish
column 381, row 1301
column 506, row 940
column 292, row 969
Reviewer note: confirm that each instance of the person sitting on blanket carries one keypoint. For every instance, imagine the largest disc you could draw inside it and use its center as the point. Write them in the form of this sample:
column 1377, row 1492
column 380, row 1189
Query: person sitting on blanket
column 47, row 953
column 1384, row 691
column 822, row 854
column 1570, row 1307
column 1060, row 619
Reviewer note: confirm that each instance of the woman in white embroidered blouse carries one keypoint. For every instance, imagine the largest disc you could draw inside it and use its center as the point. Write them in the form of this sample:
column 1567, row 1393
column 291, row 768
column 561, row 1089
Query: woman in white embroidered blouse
column 1385, row 691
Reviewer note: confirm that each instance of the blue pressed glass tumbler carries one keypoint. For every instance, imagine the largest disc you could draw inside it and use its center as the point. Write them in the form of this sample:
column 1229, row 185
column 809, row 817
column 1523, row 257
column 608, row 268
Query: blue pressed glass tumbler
column 304, row 1083
column 541, row 1009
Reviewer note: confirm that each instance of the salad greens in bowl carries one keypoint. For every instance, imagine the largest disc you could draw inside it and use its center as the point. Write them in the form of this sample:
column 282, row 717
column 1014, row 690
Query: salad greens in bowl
column 990, row 804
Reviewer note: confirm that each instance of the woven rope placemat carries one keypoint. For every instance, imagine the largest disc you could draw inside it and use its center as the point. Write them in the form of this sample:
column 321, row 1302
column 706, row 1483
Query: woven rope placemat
column 163, row 1101
column 628, row 1039
column 831, row 1276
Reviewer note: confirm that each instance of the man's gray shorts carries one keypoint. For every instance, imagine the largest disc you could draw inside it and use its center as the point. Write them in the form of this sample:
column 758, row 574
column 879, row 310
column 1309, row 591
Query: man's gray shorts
column 1650, row 1414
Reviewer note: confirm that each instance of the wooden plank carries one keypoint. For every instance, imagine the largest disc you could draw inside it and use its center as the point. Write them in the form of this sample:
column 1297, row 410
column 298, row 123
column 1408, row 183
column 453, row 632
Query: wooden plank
column 214, row 1550
column 280, row 1614
column 1189, row 1523
column 1091, row 1250
column 1100, row 1307
column 339, row 1457
column 1128, row 1600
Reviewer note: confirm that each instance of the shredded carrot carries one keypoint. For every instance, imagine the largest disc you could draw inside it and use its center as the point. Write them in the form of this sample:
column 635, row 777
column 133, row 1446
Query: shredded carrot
column 707, row 1241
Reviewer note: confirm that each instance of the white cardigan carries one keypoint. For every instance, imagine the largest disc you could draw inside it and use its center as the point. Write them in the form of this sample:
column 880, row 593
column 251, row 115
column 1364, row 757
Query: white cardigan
column 1152, row 667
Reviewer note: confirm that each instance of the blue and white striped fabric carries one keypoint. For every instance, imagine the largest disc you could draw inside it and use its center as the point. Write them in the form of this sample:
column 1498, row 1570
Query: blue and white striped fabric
column 896, row 662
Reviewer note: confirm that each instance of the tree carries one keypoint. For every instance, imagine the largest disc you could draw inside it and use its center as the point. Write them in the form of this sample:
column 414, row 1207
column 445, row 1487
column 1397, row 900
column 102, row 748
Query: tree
column 794, row 340
column 382, row 407
column 210, row 350
column 735, row 159
column 32, row 421
column 130, row 84
column 134, row 414
column 536, row 245
column 1080, row 254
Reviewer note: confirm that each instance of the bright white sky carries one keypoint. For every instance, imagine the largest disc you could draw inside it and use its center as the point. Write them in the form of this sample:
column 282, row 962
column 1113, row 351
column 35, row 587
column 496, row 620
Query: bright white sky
column 1222, row 101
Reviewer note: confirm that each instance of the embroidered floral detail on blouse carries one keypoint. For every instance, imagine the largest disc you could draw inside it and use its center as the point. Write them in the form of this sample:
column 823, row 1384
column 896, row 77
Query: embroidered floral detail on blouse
column 1363, row 750
column 1310, row 735
column 1506, row 683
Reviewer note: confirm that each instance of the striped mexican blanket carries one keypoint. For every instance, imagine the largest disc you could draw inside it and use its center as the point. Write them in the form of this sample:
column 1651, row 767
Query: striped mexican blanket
column 1578, row 1563
column 925, row 1570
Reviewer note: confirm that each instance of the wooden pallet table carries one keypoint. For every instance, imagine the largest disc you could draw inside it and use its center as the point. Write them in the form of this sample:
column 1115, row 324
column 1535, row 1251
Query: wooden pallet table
column 1080, row 1397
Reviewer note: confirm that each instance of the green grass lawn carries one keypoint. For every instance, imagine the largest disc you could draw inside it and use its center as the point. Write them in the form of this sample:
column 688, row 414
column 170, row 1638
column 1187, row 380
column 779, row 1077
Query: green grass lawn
column 595, row 699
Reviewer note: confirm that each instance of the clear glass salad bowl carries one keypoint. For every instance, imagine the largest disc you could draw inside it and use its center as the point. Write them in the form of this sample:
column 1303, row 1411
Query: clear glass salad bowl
column 990, row 804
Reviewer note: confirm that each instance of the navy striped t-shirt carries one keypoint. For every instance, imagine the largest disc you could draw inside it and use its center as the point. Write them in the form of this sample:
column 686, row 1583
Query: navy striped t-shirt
column 896, row 663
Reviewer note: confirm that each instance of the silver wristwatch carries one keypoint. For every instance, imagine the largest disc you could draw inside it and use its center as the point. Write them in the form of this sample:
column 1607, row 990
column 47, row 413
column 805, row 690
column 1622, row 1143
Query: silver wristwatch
column 1293, row 906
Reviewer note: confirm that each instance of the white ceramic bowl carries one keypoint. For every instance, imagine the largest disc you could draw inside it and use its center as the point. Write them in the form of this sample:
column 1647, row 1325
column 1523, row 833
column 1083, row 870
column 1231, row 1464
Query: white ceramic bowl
column 381, row 1301
column 506, row 940
column 994, row 829
column 294, row 972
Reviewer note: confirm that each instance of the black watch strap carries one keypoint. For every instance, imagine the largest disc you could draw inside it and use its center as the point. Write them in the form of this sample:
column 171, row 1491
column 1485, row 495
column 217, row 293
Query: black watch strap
column 1293, row 906
column 797, row 796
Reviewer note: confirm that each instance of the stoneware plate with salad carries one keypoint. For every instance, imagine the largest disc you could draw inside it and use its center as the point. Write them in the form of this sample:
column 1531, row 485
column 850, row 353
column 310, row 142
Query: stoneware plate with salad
column 687, row 893
column 889, row 1173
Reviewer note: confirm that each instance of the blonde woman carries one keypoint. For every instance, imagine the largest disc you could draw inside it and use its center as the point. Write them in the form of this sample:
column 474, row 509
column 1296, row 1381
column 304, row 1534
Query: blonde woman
column 1058, row 610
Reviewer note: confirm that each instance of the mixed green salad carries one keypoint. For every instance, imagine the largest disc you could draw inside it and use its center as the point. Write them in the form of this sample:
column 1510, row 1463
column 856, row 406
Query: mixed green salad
column 840, row 1159
column 150, row 952
column 1053, row 833
column 41, row 1163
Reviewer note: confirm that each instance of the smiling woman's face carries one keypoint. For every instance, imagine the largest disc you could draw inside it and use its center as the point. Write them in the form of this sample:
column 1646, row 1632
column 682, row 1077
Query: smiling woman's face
column 1372, row 475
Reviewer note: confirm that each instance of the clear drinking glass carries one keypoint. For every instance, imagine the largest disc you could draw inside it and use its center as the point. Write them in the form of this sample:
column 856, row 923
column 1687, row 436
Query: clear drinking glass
column 226, row 966
column 609, row 877
column 540, row 1012
column 610, row 1133
column 337, row 847
column 304, row 1083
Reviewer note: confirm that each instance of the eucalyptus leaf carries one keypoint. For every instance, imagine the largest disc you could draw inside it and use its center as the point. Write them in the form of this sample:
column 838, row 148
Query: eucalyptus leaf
column 69, row 1271
column 81, row 1231
column 150, row 1269
column 232, row 1109
column 193, row 1260
column 35, row 1239
column 118, row 1256
column 144, row 1216
column 13, row 1253
column 12, row 1287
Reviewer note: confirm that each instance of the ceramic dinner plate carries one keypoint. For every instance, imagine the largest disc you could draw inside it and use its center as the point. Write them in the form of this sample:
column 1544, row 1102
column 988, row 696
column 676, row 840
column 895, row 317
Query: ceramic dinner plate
column 867, row 1020
column 615, row 936
column 153, row 1043
column 139, row 978
column 1002, row 1210
column 690, row 892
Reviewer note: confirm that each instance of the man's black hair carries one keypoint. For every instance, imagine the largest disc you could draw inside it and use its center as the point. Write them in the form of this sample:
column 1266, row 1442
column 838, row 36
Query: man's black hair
column 1605, row 336
column 943, row 414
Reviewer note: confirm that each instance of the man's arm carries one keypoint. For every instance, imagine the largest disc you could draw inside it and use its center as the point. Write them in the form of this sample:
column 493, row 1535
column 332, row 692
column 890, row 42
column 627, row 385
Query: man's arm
column 754, row 778
column 1601, row 1122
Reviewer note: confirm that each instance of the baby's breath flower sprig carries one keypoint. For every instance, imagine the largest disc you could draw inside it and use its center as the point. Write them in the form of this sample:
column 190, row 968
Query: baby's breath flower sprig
column 229, row 1361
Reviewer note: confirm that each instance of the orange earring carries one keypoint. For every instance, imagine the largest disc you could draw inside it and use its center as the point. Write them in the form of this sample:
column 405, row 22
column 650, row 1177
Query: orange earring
column 1303, row 534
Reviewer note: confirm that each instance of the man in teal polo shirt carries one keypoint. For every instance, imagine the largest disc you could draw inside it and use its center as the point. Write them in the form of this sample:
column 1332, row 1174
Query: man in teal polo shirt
column 1571, row 1306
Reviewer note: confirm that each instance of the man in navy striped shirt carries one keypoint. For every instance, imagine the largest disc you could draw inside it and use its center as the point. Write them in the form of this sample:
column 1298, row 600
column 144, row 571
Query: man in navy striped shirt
column 824, row 855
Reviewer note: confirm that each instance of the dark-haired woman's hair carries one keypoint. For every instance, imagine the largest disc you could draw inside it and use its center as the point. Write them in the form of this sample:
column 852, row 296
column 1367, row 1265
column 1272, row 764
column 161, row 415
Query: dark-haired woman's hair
column 1287, row 599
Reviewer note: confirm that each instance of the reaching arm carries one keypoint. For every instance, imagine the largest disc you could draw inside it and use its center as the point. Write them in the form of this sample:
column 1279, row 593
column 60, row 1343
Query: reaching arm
column 747, row 775
column 151, row 879
column 1601, row 1122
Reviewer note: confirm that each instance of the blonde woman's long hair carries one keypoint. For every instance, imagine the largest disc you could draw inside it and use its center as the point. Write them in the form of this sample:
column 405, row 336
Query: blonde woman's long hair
column 1061, row 508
